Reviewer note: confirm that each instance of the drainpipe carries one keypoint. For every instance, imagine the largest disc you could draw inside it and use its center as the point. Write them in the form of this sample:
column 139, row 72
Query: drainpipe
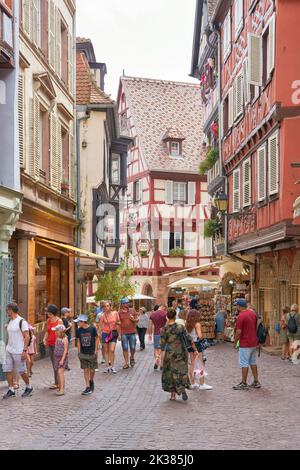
column 78, row 189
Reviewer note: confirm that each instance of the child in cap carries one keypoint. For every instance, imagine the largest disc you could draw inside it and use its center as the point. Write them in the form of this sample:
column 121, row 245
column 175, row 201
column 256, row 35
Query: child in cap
column 32, row 351
column 61, row 357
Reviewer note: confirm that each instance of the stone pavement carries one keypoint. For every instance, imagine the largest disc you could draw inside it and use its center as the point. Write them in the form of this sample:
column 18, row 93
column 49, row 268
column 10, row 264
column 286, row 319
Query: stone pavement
column 130, row 410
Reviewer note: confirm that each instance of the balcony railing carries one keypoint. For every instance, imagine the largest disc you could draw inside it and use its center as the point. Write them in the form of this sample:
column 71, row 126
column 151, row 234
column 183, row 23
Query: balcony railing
column 211, row 104
column 214, row 172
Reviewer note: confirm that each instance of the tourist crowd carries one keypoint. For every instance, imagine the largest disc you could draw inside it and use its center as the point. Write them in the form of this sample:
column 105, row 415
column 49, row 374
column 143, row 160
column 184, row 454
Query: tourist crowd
column 179, row 347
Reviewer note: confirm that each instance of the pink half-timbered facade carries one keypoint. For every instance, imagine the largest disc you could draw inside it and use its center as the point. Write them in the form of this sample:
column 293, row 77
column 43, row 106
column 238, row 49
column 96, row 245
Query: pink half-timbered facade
column 167, row 202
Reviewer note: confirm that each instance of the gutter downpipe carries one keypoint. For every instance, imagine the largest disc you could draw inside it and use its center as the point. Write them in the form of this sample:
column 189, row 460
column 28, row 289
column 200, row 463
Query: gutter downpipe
column 78, row 238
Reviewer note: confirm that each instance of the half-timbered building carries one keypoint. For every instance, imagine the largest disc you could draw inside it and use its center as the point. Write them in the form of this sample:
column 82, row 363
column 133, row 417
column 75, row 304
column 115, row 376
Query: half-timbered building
column 260, row 119
column 102, row 157
column 167, row 200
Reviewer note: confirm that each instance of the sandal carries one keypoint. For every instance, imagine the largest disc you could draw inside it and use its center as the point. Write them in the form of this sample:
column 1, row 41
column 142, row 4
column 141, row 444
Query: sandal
column 173, row 397
column 132, row 362
column 126, row 366
column 53, row 387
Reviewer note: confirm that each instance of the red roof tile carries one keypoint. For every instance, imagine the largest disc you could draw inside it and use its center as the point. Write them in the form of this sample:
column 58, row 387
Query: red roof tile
column 87, row 90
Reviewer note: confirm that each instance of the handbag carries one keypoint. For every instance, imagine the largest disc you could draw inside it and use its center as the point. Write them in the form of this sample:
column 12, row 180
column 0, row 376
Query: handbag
column 186, row 343
column 113, row 333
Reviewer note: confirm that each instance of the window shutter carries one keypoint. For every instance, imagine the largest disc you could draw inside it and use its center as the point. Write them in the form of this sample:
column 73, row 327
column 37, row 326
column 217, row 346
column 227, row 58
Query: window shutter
column 71, row 64
column 261, row 173
column 72, row 164
column 236, row 190
column 238, row 16
column 255, row 59
column 51, row 33
column 54, row 176
column 35, row 30
column 58, row 42
column 21, row 114
column 191, row 193
column 271, row 46
column 34, row 166
column 230, row 107
column 227, row 35
column 59, row 155
column 177, row 240
column 169, row 192
column 221, row 123
column 247, row 183
column 238, row 96
column 165, row 243
column 26, row 17
column 140, row 190
column 273, row 164
column 247, row 97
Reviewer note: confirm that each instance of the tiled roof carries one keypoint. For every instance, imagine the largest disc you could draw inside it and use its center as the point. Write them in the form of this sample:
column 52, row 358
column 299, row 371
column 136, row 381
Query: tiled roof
column 156, row 106
column 87, row 90
column 173, row 133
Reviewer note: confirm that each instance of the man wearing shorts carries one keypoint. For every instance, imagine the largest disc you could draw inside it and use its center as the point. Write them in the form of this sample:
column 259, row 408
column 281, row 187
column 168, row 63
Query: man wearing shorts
column 16, row 351
column 128, row 321
column 158, row 320
column 87, row 345
column 246, row 334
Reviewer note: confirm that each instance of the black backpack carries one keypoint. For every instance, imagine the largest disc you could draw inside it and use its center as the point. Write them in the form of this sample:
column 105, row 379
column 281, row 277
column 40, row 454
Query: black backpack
column 261, row 332
column 29, row 331
column 292, row 324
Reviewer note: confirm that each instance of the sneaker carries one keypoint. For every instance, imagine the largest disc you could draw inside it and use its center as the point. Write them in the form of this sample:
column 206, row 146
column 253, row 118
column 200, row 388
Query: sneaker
column 195, row 387
column 106, row 371
column 156, row 365
column 9, row 394
column 28, row 392
column 241, row 386
column 184, row 396
column 113, row 370
column 102, row 361
column 87, row 391
column 96, row 370
column 205, row 387
column 296, row 363
column 255, row 385
column 92, row 386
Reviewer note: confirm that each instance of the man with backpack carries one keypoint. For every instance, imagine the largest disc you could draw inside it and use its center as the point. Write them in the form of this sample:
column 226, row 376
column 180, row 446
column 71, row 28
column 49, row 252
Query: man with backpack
column 16, row 350
column 293, row 331
column 246, row 334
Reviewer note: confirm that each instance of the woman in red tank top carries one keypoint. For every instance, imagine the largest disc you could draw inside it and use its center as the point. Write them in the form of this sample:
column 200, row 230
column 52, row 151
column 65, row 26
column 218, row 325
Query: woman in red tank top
column 50, row 337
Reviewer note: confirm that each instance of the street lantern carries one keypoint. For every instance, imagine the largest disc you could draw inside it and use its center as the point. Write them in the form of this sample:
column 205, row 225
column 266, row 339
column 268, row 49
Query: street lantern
column 221, row 202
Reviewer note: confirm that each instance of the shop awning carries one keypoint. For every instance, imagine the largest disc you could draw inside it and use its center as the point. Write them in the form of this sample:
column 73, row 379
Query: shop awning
column 73, row 250
column 192, row 282
column 201, row 268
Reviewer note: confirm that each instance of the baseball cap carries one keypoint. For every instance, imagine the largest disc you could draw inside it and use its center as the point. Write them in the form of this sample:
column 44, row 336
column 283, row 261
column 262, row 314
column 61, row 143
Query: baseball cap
column 65, row 310
column 82, row 317
column 59, row 328
column 124, row 301
column 52, row 309
column 240, row 303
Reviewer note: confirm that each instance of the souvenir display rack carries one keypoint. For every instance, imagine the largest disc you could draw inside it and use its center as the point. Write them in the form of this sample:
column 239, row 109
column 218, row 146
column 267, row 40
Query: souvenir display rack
column 207, row 311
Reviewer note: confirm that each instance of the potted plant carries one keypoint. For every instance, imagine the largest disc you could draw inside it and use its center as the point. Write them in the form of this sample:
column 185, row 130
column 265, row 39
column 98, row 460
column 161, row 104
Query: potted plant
column 144, row 254
column 65, row 186
column 177, row 253
column 209, row 161
column 210, row 227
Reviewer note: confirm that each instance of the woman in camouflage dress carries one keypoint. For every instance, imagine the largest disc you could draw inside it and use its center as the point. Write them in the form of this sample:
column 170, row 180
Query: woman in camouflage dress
column 175, row 370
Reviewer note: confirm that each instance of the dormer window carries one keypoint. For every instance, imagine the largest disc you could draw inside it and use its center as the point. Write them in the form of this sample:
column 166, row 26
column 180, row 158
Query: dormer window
column 173, row 140
column 175, row 149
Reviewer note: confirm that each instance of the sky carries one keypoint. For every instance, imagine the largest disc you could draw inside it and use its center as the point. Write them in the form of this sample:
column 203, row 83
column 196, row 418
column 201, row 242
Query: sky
column 145, row 38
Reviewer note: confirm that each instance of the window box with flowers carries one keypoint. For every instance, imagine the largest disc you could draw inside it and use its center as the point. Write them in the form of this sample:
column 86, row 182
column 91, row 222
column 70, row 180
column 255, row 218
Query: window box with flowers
column 177, row 253
column 211, row 158
column 65, row 187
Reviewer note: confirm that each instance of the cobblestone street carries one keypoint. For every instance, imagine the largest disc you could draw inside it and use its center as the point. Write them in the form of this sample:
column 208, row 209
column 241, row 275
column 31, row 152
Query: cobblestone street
column 130, row 410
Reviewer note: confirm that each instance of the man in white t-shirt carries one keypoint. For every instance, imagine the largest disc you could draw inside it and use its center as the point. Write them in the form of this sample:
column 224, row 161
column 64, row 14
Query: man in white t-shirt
column 16, row 350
